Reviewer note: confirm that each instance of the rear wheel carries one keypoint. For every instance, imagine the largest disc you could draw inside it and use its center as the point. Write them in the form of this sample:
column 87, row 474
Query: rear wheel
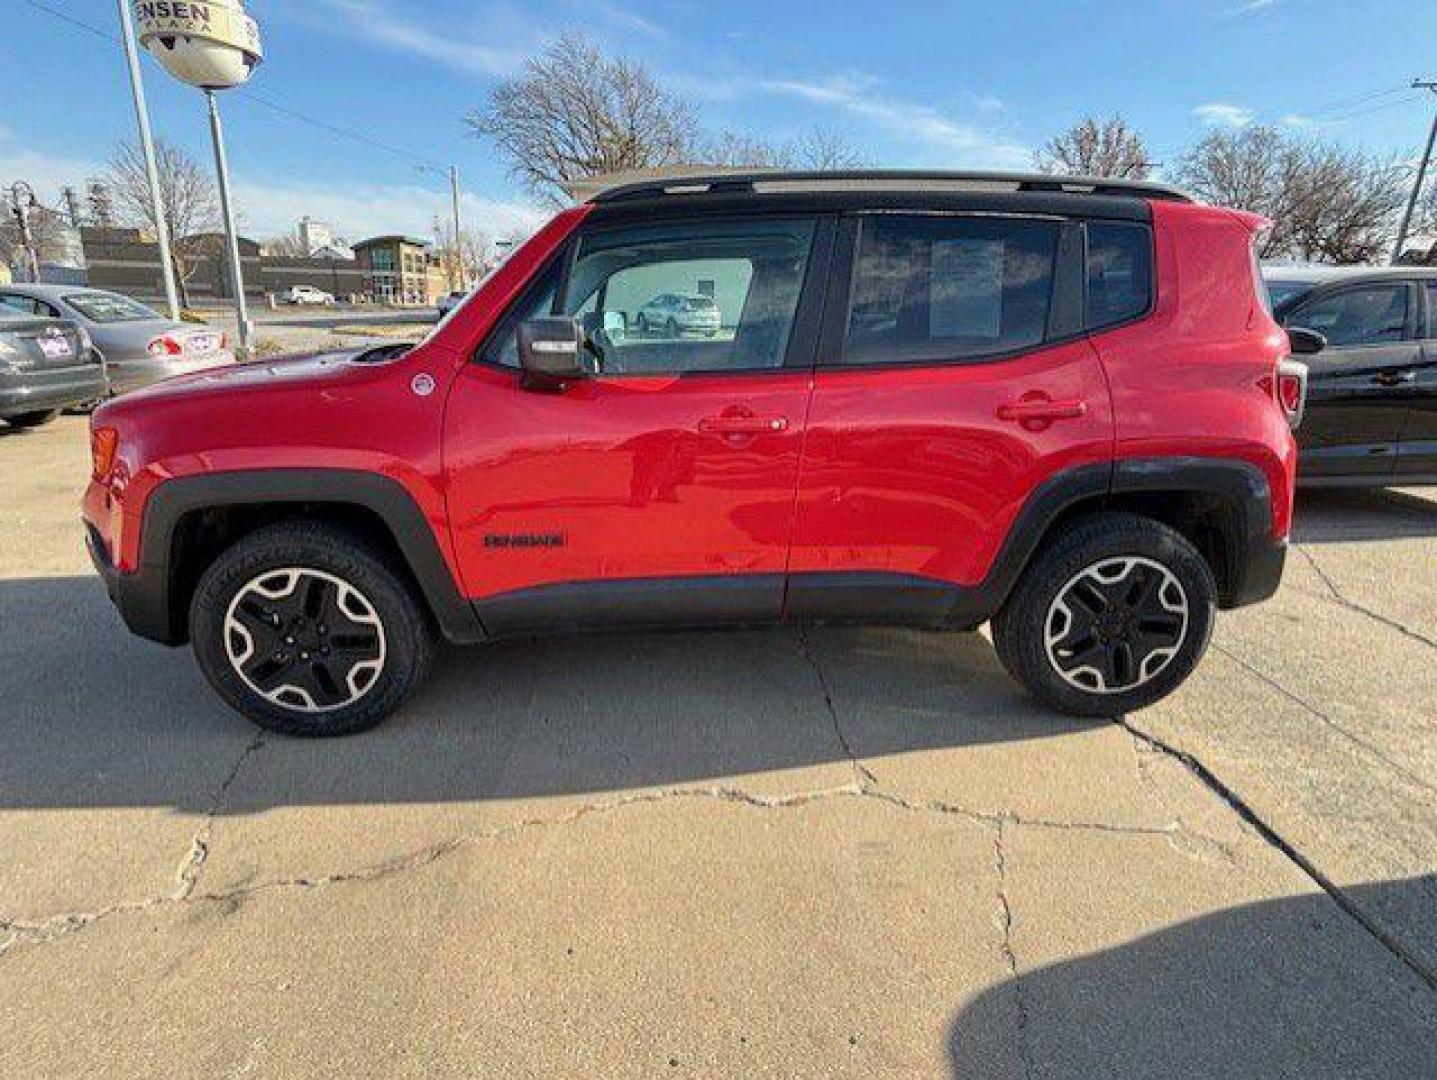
column 306, row 630
column 32, row 419
column 1111, row 618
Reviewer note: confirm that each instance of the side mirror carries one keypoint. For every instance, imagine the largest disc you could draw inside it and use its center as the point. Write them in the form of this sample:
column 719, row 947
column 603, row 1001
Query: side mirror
column 551, row 354
column 1305, row 342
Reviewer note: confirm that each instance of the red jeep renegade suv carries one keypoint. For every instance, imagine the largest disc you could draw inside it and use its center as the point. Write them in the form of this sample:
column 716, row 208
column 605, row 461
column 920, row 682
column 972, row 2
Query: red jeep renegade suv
column 927, row 399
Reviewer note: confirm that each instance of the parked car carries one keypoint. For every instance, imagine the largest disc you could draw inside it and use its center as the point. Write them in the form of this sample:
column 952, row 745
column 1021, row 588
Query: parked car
column 138, row 345
column 305, row 294
column 45, row 365
column 673, row 314
column 1372, row 398
column 1059, row 404
column 450, row 302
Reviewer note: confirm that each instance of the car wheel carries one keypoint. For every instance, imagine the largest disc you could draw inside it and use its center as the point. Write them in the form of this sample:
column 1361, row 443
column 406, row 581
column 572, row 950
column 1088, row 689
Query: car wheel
column 1111, row 618
column 307, row 630
column 32, row 419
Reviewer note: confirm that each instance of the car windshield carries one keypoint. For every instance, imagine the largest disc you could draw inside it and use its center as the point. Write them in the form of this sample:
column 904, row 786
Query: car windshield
column 102, row 307
column 1283, row 291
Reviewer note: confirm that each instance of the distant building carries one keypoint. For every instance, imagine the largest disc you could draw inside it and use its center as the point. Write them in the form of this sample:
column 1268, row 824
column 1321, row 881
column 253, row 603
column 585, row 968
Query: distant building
column 313, row 235
column 1419, row 250
column 400, row 270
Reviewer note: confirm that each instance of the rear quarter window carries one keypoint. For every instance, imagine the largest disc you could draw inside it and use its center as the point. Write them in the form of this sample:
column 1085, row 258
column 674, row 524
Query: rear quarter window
column 1119, row 272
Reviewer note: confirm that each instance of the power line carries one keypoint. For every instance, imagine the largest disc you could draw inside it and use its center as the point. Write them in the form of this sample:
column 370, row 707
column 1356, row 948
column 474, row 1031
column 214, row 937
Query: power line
column 259, row 99
column 1355, row 100
column 1406, row 100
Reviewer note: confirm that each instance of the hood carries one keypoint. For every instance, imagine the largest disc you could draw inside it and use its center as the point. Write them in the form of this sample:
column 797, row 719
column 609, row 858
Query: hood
column 317, row 370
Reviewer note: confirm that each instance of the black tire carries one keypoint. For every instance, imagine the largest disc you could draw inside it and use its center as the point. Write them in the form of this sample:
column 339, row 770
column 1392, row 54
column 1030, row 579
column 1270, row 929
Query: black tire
column 32, row 419
column 396, row 636
column 1120, row 633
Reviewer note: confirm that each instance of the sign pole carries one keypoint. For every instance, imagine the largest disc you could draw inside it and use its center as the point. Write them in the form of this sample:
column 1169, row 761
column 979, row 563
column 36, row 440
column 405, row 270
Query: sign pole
column 227, row 210
column 147, row 146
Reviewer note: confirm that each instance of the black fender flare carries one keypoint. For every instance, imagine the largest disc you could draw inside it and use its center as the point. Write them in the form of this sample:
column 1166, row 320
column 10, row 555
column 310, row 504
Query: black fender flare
column 147, row 606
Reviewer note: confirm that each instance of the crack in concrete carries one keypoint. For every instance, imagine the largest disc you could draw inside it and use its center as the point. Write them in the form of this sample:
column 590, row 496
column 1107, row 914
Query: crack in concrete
column 805, row 650
column 1004, row 915
column 55, row 926
column 1415, row 963
column 187, row 875
column 1338, row 597
column 1276, row 684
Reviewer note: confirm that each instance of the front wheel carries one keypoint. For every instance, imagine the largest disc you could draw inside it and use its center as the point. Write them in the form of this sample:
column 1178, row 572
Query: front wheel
column 306, row 630
column 1111, row 618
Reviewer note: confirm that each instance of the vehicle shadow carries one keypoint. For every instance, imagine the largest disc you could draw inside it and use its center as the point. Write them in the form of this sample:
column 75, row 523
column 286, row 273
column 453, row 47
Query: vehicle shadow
column 94, row 717
column 1291, row 988
column 1341, row 516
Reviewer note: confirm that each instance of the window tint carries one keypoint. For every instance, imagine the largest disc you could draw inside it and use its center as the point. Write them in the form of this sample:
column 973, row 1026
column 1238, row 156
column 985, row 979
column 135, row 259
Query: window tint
column 1120, row 273
column 1372, row 315
column 949, row 288
column 103, row 307
column 631, row 288
column 1283, row 291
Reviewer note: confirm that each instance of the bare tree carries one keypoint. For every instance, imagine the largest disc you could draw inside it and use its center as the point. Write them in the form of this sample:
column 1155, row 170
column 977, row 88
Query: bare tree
column 818, row 150
column 191, row 204
column 475, row 249
column 289, row 244
column 1094, row 148
column 574, row 112
column 1326, row 203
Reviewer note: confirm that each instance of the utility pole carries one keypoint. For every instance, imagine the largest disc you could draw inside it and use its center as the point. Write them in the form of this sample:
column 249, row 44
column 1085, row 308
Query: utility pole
column 459, row 236
column 147, row 147
column 1417, row 84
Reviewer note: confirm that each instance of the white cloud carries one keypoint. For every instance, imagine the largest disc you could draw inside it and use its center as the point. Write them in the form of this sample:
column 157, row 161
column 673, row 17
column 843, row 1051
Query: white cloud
column 1307, row 123
column 355, row 211
column 1252, row 6
column 937, row 135
column 1221, row 114
column 376, row 21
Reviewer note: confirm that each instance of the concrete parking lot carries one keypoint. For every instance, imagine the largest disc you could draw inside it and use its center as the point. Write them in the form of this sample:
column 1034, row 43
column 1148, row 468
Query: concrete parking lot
column 828, row 852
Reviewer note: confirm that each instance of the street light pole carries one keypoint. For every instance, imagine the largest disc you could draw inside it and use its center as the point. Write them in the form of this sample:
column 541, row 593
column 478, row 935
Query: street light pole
column 147, row 146
column 1420, row 179
column 458, row 235
column 227, row 210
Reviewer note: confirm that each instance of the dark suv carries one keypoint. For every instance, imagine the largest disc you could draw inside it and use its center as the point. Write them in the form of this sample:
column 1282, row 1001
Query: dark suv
column 1059, row 404
column 1369, row 337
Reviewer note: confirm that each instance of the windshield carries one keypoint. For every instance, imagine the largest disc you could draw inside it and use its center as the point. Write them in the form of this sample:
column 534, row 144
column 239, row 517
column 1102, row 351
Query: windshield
column 103, row 307
column 1283, row 291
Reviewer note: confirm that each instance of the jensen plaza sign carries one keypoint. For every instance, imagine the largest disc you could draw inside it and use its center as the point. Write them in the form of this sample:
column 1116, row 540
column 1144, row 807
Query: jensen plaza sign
column 212, row 44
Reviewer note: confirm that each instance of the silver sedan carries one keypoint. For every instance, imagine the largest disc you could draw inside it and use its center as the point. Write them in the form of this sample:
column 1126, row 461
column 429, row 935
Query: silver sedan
column 139, row 345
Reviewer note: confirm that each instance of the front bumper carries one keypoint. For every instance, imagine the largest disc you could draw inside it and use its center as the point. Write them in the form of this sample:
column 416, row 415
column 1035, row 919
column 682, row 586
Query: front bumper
column 37, row 390
column 132, row 373
column 141, row 599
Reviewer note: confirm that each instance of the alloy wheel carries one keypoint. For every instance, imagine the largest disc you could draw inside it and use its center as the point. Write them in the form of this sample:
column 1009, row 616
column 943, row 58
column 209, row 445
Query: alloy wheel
column 1116, row 624
column 304, row 639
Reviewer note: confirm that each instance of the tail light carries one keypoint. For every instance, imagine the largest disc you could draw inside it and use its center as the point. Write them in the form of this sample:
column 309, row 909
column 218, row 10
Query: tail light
column 104, row 442
column 165, row 346
column 1290, row 389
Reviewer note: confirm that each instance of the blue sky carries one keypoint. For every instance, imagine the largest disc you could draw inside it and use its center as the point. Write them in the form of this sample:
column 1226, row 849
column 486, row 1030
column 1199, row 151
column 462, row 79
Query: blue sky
column 939, row 84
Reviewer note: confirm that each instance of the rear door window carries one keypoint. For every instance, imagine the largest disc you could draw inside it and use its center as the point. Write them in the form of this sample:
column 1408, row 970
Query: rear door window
column 1120, row 273
column 944, row 288
column 1432, row 310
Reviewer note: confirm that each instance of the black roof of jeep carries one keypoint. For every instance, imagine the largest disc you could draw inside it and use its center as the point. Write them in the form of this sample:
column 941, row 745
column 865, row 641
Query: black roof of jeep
column 868, row 189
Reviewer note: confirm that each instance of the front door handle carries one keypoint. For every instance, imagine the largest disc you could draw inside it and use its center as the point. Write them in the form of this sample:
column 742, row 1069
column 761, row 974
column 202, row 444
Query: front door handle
column 1394, row 378
column 1042, row 410
column 726, row 424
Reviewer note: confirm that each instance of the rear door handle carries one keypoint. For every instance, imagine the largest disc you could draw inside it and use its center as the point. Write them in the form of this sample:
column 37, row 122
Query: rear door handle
column 1394, row 378
column 1042, row 409
column 743, row 425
